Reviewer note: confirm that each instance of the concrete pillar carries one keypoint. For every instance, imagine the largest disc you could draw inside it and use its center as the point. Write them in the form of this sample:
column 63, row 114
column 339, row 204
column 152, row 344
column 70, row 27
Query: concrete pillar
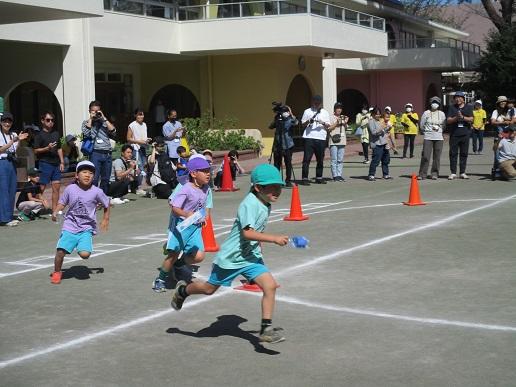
column 329, row 84
column 78, row 80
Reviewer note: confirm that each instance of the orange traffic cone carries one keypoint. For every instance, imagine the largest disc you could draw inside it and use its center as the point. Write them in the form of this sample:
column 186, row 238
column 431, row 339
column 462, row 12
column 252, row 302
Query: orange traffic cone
column 414, row 197
column 208, row 237
column 227, row 180
column 248, row 287
column 296, row 213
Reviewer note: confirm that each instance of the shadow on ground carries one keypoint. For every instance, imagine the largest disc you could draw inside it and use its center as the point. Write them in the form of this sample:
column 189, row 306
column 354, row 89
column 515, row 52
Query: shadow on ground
column 81, row 272
column 227, row 325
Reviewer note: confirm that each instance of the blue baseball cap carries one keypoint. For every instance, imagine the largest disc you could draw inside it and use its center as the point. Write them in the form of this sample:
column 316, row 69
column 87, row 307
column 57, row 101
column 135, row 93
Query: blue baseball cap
column 459, row 94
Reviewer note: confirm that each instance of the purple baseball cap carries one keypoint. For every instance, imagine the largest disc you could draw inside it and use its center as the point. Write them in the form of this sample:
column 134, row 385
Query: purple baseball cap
column 196, row 164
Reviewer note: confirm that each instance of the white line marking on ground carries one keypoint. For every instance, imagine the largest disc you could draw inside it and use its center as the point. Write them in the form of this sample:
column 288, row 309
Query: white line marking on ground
column 372, row 313
column 281, row 273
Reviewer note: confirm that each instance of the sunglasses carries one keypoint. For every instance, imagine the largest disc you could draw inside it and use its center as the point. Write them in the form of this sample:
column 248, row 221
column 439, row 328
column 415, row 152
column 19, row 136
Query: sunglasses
column 49, row 120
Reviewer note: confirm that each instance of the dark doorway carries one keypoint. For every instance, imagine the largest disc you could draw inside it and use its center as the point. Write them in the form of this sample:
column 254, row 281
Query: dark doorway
column 352, row 100
column 299, row 97
column 29, row 100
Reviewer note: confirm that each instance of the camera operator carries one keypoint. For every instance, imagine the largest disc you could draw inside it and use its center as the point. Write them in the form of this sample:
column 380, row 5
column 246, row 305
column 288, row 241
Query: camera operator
column 47, row 148
column 137, row 136
column 337, row 132
column 100, row 130
column 8, row 144
column 124, row 174
column 316, row 122
column 161, row 172
column 284, row 122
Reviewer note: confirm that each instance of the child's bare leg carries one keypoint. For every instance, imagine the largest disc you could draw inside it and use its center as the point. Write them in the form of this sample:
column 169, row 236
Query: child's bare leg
column 198, row 257
column 84, row 254
column 201, row 288
column 58, row 260
column 169, row 261
column 268, row 284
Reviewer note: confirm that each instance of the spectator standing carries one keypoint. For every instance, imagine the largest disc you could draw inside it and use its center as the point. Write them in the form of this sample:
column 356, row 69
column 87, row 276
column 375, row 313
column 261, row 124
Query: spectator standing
column 337, row 131
column 137, row 137
column 478, row 126
column 410, row 121
column 460, row 118
column 30, row 202
column 379, row 140
column 362, row 121
column 506, row 151
column 161, row 170
column 8, row 145
column 100, row 130
column 284, row 122
column 47, row 147
column 124, row 174
column 173, row 131
column 316, row 121
column 433, row 121
column 392, row 133
column 70, row 153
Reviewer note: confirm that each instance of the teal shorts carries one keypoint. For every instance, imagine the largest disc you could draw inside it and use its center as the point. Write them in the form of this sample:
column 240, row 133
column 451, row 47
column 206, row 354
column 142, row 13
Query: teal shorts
column 81, row 241
column 189, row 241
column 224, row 277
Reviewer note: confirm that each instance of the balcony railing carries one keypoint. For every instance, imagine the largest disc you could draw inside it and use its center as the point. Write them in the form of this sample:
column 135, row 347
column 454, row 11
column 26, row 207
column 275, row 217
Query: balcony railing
column 402, row 44
column 168, row 9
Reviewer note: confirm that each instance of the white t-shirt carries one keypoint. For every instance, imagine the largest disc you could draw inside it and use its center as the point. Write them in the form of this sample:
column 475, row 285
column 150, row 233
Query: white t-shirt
column 139, row 132
column 498, row 117
column 316, row 130
column 4, row 140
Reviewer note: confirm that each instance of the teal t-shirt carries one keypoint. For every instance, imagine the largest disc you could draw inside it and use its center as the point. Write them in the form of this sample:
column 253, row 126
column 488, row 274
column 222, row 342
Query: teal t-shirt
column 237, row 252
column 172, row 220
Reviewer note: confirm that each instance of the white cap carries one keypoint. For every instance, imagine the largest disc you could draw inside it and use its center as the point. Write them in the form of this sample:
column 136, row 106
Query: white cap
column 388, row 108
column 409, row 104
column 85, row 165
column 479, row 101
column 197, row 156
column 371, row 109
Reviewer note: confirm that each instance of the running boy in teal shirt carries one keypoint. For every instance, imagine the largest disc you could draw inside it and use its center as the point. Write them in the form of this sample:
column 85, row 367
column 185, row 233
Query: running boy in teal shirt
column 241, row 253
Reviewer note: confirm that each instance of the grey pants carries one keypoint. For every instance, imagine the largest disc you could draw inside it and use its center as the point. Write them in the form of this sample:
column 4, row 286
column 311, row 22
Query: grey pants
column 429, row 147
column 30, row 206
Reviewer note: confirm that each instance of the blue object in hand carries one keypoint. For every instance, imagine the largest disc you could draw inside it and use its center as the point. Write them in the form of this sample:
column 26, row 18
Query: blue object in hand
column 299, row 242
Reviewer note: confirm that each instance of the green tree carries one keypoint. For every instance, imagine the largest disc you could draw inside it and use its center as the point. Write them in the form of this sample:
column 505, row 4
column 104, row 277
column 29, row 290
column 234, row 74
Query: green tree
column 497, row 66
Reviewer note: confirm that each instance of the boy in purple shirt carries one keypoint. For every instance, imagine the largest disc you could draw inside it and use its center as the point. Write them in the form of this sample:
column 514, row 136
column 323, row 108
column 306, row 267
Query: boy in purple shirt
column 190, row 199
column 80, row 222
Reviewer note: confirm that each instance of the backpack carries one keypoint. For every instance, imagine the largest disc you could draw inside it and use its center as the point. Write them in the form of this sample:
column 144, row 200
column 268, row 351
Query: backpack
column 166, row 172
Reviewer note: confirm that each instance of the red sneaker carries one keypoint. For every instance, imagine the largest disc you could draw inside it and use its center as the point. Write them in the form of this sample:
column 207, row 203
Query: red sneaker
column 56, row 277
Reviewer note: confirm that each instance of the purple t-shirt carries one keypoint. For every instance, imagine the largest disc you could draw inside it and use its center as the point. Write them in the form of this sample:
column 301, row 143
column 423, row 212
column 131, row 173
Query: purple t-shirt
column 82, row 207
column 191, row 198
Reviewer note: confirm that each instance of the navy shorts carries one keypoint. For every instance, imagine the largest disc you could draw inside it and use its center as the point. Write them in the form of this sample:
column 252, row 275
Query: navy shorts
column 49, row 173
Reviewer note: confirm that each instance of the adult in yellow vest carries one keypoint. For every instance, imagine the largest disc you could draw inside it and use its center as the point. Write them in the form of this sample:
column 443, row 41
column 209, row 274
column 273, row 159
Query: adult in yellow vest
column 410, row 122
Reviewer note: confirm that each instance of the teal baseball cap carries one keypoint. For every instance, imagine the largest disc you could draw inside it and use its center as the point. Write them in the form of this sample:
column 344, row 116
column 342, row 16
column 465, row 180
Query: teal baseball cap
column 266, row 174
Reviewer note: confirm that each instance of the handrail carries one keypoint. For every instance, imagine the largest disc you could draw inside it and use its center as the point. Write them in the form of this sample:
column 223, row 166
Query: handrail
column 257, row 8
column 424, row 43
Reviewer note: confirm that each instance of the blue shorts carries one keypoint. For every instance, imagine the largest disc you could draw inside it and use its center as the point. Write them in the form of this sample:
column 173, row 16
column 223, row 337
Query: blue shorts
column 82, row 241
column 49, row 173
column 189, row 241
column 224, row 277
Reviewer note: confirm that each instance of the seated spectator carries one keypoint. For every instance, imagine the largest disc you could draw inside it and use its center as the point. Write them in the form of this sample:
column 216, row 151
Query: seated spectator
column 208, row 154
column 30, row 202
column 234, row 166
column 507, row 153
column 161, row 173
column 182, row 172
column 124, row 175
column 70, row 153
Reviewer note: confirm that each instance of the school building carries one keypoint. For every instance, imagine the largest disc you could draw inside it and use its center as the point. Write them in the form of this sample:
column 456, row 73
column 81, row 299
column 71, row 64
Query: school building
column 230, row 58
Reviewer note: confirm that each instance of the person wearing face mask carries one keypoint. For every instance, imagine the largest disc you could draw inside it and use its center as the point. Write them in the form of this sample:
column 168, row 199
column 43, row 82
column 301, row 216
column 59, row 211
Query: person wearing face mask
column 284, row 122
column 410, row 121
column 379, row 138
column 337, row 132
column 362, row 121
column 459, row 120
column 173, row 131
column 432, row 124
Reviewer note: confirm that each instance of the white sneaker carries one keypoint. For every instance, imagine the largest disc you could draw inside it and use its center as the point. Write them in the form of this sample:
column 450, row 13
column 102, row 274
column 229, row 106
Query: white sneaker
column 12, row 223
column 464, row 176
column 452, row 176
column 117, row 201
column 125, row 200
column 141, row 192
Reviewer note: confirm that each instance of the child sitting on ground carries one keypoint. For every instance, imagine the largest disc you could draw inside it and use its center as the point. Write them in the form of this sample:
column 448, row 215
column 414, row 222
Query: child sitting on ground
column 80, row 221
column 30, row 202
column 241, row 253
column 234, row 167
column 190, row 198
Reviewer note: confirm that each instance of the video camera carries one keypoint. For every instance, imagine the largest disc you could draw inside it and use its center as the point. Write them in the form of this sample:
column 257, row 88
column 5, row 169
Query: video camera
column 279, row 107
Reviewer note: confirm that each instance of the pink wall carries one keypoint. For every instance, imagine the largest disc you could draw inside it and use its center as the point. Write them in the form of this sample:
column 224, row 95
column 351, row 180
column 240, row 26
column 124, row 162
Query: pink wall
column 393, row 88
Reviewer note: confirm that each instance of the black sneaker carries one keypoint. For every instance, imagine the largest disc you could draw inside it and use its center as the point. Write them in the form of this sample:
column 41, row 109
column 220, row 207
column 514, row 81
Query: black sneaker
column 288, row 184
column 305, row 182
column 320, row 181
column 177, row 300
